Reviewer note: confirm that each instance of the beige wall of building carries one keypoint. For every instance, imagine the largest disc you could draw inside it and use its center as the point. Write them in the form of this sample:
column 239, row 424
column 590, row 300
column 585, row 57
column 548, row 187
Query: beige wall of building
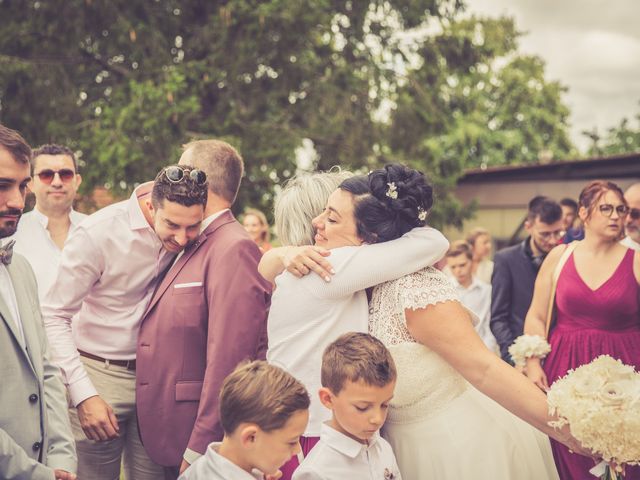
column 502, row 194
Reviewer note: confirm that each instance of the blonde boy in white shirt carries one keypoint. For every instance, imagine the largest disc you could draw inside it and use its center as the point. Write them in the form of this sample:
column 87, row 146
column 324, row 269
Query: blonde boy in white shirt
column 263, row 411
column 358, row 380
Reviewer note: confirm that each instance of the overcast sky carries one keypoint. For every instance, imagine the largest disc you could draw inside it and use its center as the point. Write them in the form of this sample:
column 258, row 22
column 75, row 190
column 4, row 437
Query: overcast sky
column 590, row 46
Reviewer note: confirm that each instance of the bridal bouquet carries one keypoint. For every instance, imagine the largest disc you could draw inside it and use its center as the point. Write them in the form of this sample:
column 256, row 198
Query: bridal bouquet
column 600, row 401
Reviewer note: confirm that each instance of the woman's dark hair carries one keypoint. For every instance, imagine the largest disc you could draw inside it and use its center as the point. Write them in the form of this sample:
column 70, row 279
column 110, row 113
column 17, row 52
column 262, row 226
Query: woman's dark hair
column 389, row 202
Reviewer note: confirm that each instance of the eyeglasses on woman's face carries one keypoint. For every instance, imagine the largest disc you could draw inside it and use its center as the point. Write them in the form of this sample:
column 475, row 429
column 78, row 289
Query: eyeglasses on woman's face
column 607, row 209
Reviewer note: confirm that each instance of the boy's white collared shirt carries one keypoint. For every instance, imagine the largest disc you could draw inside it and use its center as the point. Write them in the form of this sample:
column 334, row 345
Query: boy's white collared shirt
column 213, row 466
column 337, row 457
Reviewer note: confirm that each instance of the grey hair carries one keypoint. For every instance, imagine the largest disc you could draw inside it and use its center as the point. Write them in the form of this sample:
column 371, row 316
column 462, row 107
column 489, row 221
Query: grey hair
column 303, row 198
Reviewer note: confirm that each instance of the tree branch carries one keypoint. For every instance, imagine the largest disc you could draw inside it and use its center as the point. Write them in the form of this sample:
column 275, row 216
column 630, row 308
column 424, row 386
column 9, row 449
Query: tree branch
column 106, row 65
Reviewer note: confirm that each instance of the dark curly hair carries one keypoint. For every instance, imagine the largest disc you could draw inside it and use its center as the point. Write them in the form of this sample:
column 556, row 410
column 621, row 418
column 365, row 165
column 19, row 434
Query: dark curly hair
column 382, row 215
column 54, row 149
column 186, row 192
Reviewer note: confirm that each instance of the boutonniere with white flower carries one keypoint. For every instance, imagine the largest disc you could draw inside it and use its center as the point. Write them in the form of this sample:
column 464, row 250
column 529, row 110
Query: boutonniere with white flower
column 389, row 475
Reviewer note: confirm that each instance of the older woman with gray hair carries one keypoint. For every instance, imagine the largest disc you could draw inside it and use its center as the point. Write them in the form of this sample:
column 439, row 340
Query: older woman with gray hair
column 302, row 199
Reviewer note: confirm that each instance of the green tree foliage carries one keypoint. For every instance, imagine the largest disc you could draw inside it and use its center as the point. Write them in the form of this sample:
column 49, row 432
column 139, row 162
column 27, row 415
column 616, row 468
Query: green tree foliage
column 475, row 102
column 128, row 82
column 623, row 138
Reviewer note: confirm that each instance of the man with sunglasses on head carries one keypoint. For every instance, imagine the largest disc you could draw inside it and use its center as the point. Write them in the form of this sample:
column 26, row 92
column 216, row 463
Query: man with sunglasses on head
column 208, row 314
column 43, row 231
column 515, row 270
column 109, row 269
column 632, row 222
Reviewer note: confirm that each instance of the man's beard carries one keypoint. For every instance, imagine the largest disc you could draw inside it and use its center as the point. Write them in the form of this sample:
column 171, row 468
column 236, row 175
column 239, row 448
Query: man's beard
column 541, row 249
column 9, row 228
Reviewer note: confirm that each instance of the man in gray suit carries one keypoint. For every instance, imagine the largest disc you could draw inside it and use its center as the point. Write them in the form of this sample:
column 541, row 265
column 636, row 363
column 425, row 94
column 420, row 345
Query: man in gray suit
column 35, row 436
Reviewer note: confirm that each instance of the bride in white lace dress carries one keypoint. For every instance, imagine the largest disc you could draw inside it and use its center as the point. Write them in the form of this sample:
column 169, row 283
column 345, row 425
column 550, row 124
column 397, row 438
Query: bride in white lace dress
column 440, row 426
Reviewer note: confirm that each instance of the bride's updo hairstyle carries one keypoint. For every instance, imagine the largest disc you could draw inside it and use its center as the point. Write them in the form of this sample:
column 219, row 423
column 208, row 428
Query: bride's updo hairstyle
column 389, row 202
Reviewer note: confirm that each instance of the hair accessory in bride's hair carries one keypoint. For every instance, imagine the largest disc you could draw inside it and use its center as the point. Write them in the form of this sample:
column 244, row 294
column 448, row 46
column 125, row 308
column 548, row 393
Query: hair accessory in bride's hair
column 392, row 192
column 422, row 214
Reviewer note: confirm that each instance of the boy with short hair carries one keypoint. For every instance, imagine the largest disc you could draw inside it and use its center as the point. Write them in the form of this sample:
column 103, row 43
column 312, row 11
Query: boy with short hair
column 474, row 293
column 263, row 412
column 358, row 378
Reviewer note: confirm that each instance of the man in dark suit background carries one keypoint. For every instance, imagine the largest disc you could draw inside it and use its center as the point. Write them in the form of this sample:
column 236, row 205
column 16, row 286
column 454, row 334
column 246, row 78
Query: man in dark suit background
column 208, row 314
column 515, row 269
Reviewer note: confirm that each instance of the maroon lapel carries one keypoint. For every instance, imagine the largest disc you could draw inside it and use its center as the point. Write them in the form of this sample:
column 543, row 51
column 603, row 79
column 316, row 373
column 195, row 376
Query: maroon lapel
column 226, row 217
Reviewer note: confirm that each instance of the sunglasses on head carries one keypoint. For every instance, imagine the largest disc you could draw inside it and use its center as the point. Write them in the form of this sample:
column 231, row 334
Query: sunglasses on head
column 47, row 175
column 177, row 174
column 607, row 209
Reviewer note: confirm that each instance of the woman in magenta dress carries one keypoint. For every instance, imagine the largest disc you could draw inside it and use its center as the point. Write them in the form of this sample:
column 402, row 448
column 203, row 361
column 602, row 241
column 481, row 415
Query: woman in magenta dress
column 598, row 310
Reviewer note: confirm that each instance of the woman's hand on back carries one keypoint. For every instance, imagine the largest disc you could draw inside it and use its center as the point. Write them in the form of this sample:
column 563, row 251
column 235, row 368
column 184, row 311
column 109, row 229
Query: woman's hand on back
column 301, row 261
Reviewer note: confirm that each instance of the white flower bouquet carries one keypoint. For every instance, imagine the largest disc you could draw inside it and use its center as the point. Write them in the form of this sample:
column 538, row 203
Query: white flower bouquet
column 600, row 401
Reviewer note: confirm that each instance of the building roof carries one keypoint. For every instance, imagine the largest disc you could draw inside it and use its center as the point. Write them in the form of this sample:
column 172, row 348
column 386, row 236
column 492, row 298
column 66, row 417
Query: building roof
column 614, row 166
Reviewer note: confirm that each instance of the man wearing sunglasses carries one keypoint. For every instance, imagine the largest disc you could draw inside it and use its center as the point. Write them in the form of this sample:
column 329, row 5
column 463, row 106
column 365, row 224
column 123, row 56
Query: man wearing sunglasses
column 208, row 314
column 42, row 232
column 109, row 269
column 632, row 223
column 515, row 270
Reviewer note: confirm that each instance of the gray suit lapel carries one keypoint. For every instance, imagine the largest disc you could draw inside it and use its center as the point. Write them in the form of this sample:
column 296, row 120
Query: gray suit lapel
column 26, row 313
column 6, row 315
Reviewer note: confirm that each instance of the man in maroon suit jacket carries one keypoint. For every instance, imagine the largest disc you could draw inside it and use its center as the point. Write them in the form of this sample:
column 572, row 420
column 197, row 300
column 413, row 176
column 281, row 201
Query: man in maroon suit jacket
column 207, row 315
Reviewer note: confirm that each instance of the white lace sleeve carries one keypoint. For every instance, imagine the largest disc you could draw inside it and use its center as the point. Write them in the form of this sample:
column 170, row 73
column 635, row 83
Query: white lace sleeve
column 390, row 300
column 425, row 287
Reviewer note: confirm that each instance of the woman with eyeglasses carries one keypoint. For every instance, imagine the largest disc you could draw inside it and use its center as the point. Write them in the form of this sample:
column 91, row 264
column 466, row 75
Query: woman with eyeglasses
column 597, row 302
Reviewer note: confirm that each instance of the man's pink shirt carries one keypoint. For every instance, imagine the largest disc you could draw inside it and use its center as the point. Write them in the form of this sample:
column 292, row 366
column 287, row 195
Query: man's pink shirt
column 109, row 268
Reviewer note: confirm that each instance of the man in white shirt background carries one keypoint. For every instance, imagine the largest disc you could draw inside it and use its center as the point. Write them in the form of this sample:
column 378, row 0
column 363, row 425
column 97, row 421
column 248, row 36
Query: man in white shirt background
column 632, row 225
column 474, row 293
column 109, row 268
column 42, row 232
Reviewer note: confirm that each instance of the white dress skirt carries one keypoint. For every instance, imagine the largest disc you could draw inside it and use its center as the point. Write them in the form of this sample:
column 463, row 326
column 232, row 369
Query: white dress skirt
column 440, row 427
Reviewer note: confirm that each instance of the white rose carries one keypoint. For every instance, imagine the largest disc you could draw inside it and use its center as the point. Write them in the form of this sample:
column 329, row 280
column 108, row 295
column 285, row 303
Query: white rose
column 617, row 393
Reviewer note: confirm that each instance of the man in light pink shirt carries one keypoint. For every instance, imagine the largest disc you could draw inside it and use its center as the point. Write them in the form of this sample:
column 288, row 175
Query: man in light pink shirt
column 108, row 271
